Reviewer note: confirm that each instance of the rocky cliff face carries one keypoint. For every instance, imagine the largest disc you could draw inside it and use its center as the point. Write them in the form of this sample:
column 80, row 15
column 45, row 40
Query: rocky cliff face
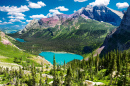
column 125, row 23
column 101, row 13
column 119, row 38
column 31, row 25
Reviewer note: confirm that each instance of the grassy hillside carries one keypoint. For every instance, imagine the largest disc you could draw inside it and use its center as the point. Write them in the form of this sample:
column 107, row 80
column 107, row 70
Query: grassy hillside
column 75, row 35
column 9, row 53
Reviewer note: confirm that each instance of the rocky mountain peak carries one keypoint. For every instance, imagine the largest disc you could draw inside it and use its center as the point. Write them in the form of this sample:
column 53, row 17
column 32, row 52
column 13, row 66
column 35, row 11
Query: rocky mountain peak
column 101, row 13
column 125, row 24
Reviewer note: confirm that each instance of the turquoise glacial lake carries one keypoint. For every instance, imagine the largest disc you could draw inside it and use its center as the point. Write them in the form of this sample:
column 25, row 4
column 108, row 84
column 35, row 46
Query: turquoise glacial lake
column 60, row 57
column 20, row 40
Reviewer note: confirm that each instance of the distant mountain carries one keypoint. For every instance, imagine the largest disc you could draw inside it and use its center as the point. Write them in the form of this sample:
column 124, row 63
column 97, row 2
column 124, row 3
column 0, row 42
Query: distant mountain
column 76, row 34
column 9, row 30
column 102, row 14
column 46, row 22
column 119, row 38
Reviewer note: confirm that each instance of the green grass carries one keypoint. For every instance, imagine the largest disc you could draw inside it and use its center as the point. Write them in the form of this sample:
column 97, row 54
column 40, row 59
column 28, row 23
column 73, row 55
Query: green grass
column 12, row 52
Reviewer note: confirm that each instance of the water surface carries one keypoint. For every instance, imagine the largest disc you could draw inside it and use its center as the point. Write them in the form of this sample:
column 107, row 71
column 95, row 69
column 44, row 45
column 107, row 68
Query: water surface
column 60, row 57
column 20, row 40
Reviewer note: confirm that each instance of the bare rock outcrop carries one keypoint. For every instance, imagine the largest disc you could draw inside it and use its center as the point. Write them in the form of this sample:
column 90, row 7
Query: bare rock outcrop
column 119, row 37
column 125, row 23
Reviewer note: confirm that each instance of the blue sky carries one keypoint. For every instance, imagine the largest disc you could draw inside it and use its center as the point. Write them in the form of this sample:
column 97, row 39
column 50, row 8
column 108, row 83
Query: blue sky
column 17, row 13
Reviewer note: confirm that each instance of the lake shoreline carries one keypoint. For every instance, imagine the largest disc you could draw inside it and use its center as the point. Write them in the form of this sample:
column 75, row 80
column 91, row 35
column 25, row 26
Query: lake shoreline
column 58, row 52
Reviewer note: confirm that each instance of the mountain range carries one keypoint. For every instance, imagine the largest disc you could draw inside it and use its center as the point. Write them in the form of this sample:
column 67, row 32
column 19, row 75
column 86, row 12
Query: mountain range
column 99, row 13
column 89, row 22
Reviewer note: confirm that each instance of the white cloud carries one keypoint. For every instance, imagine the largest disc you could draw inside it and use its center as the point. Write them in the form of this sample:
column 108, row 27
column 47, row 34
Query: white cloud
column 74, row 11
column 62, row 8
column 23, row 22
column 17, row 17
column 38, row 16
column 3, row 18
column 80, row 0
column 122, row 5
column 14, row 9
column 28, row 20
column 34, row 5
column 4, row 23
column 0, row 21
column 11, row 17
column 15, row 20
column 49, row 15
column 100, row 3
column 53, row 12
column 16, row 26
column 15, row 12
column 39, row 4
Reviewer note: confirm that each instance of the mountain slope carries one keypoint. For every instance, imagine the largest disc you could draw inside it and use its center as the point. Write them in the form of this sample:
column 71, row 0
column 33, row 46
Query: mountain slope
column 77, row 34
column 119, row 38
column 9, row 53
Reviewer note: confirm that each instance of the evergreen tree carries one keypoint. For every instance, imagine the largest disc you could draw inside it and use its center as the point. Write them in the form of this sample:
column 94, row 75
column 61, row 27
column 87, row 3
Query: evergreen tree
column 64, row 66
column 54, row 74
column 126, row 68
column 40, row 81
column 111, row 78
column 46, row 81
column 58, row 82
column 118, row 62
column 115, row 61
column 91, row 67
column 97, row 62
column 69, row 77
column 61, row 74
column 42, row 67
column 33, row 72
